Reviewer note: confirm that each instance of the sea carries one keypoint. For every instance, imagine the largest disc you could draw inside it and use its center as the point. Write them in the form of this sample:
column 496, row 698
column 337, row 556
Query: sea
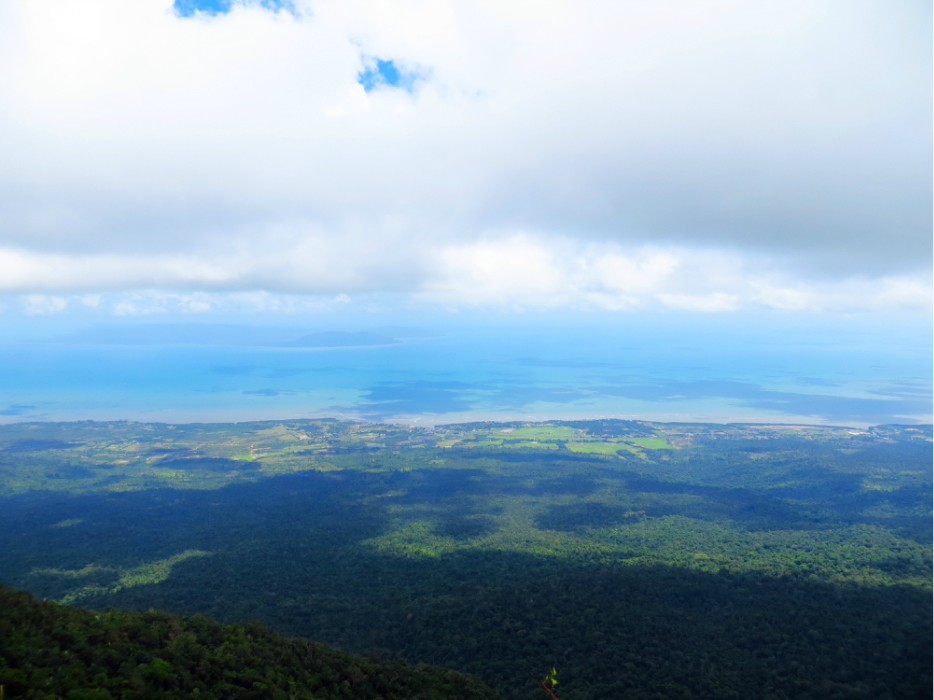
column 431, row 369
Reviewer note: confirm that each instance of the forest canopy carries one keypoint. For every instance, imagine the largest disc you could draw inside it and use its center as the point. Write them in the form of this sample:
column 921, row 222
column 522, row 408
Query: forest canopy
column 637, row 558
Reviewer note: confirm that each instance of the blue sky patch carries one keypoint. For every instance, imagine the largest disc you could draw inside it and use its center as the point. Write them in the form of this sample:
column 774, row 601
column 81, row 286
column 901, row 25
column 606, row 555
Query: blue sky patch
column 386, row 74
column 187, row 8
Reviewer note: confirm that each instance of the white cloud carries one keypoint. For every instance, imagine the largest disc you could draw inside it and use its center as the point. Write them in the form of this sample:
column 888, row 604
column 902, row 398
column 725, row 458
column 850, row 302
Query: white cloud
column 849, row 295
column 42, row 305
column 504, row 270
column 548, row 273
column 614, row 154
column 198, row 307
column 718, row 301
column 160, row 302
column 127, row 308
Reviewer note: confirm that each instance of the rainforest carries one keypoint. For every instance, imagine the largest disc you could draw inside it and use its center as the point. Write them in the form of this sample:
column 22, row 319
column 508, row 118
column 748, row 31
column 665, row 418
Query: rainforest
column 638, row 559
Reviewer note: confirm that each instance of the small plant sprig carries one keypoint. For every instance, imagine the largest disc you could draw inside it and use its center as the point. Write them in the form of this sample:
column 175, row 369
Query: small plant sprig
column 549, row 682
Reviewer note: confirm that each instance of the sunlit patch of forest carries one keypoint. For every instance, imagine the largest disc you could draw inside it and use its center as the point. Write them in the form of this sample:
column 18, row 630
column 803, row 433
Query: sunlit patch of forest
column 641, row 559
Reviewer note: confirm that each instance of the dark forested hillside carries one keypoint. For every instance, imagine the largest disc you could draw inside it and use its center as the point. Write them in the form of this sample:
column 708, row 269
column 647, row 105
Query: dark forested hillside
column 50, row 651
column 642, row 560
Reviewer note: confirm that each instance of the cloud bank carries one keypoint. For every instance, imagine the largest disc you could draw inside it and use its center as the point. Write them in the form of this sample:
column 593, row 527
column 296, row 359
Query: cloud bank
column 707, row 156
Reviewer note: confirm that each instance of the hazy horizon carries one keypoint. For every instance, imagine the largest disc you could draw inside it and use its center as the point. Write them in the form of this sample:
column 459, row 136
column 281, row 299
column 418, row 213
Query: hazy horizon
column 716, row 211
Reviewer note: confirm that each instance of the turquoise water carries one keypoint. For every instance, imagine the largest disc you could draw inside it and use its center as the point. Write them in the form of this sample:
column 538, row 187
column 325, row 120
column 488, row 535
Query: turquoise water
column 671, row 368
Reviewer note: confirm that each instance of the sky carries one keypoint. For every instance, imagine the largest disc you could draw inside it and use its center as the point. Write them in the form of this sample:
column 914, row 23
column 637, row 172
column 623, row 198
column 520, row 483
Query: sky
column 492, row 165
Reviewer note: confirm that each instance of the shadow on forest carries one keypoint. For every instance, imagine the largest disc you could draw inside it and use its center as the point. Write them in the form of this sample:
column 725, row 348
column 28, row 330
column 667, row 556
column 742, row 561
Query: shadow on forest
column 532, row 455
column 209, row 464
column 826, row 503
column 287, row 551
column 124, row 529
column 72, row 471
column 828, row 499
column 40, row 445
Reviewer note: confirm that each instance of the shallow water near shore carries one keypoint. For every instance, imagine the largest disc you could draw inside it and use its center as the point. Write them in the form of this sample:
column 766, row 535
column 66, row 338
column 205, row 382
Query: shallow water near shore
column 441, row 372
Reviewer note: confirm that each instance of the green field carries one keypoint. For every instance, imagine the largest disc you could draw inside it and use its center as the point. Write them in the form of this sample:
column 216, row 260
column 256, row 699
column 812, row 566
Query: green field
column 543, row 432
column 510, row 442
column 534, row 445
column 599, row 448
column 651, row 443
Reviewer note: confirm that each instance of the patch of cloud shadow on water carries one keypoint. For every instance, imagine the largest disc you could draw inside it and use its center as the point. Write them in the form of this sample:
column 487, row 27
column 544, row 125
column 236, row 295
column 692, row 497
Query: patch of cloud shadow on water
column 389, row 399
column 267, row 392
column 437, row 397
column 286, row 372
column 841, row 408
column 340, row 339
column 274, row 372
column 234, row 371
column 815, row 381
column 561, row 364
column 905, row 390
column 828, row 407
column 386, row 400
column 16, row 409
column 681, row 390
column 521, row 396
